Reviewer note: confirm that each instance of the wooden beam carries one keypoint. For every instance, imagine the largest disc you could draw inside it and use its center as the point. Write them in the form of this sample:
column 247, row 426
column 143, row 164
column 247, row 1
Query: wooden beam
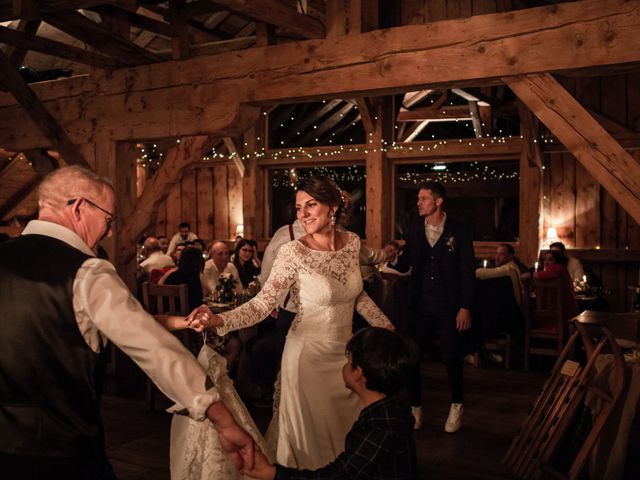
column 101, row 38
column 326, row 125
column 448, row 112
column 28, row 29
column 530, row 207
column 180, row 44
column 179, row 96
column 141, row 21
column 45, row 122
column 367, row 108
column 22, row 41
column 235, row 155
column 530, row 131
column 411, row 98
column 278, row 13
column 307, row 120
column 616, row 170
column 9, row 12
column 378, row 172
column 475, row 118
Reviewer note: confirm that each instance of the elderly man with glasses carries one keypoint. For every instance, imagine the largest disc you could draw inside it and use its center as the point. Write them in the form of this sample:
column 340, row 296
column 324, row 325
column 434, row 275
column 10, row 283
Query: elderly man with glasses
column 60, row 305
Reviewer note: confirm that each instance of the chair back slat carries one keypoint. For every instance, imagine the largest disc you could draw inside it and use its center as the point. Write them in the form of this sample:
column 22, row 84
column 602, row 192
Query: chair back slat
column 165, row 299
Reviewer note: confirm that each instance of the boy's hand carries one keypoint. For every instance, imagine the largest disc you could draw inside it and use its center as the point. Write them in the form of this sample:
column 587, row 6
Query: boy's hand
column 262, row 469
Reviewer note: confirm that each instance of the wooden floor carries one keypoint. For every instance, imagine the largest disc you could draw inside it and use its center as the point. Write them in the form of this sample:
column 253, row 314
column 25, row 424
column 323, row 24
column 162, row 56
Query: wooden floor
column 496, row 402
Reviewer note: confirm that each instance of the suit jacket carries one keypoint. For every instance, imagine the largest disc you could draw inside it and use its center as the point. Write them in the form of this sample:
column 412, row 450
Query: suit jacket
column 449, row 265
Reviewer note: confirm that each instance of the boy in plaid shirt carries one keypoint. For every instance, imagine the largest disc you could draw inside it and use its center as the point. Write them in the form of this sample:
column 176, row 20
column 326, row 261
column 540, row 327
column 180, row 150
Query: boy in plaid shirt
column 380, row 444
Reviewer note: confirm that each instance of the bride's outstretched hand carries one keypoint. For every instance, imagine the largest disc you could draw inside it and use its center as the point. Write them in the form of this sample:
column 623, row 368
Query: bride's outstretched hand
column 203, row 318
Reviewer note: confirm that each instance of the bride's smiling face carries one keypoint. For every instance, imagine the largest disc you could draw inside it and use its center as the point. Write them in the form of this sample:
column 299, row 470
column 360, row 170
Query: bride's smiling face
column 312, row 214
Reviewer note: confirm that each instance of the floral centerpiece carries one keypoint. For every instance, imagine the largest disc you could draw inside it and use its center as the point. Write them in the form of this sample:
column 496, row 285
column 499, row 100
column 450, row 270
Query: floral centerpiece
column 224, row 289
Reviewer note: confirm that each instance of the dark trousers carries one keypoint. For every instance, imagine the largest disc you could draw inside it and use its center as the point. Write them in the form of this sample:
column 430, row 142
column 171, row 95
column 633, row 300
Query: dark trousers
column 267, row 350
column 19, row 467
column 437, row 321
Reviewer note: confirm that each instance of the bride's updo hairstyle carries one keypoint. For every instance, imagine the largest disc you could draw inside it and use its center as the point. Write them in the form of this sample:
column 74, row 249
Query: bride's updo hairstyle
column 323, row 189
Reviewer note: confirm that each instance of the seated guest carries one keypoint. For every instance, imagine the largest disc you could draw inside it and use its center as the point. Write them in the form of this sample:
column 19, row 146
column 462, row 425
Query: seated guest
column 188, row 272
column 184, row 235
column 380, row 445
column 555, row 268
column 199, row 244
column 177, row 252
column 164, row 243
column 505, row 267
column 393, row 250
column 243, row 261
column 574, row 266
column 156, row 259
column 255, row 259
column 217, row 264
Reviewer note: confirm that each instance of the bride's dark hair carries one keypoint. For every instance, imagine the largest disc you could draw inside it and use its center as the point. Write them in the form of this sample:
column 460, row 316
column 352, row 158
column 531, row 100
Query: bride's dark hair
column 323, row 189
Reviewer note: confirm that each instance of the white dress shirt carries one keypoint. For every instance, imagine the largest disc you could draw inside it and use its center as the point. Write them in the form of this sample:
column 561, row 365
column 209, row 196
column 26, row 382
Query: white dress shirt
column 156, row 261
column 509, row 269
column 209, row 276
column 177, row 239
column 105, row 309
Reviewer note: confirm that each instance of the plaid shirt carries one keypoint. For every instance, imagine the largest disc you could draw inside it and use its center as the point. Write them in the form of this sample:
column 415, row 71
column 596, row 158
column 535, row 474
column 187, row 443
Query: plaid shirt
column 379, row 446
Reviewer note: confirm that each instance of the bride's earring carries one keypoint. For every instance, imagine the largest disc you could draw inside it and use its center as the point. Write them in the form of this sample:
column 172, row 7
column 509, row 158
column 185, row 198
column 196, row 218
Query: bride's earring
column 332, row 219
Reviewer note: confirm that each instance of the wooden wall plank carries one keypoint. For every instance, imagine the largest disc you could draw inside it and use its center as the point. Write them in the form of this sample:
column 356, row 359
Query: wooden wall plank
column 484, row 6
column 435, row 10
column 459, row 8
column 563, row 197
column 160, row 228
column 174, row 209
column 234, row 202
column 220, row 205
column 188, row 198
column 204, row 223
column 587, row 209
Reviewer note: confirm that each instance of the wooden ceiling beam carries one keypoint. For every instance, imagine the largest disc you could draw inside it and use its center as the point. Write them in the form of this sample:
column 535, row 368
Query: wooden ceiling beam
column 326, row 125
column 29, row 29
column 278, row 13
column 23, row 41
column 445, row 112
column 184, row 97
column 9, row 12
column 234, row 153
column 101, row 38
column 45, row 122
column 611, row 166
column 141, row 21
column 306, row 121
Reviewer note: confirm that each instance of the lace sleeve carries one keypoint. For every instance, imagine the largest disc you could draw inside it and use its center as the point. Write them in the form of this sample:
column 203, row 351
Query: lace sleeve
column 282, row 276
column 370, row 311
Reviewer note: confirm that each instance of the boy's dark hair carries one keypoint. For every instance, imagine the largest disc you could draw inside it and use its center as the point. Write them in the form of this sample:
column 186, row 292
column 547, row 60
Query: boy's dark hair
column 559, row 245
column 184, row 225
column 437, row 189
column 385, row 358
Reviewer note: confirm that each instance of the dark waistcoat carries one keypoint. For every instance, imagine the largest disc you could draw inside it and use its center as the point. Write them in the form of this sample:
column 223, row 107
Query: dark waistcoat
column 48, row 396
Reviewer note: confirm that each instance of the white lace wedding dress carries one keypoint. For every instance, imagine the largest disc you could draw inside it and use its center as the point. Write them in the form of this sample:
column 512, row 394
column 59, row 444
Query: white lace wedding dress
column 315, row 410
column 195, row 452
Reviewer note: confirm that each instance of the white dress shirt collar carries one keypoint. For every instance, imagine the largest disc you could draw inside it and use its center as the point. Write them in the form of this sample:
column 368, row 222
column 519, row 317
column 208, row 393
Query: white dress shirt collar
column 54, row 230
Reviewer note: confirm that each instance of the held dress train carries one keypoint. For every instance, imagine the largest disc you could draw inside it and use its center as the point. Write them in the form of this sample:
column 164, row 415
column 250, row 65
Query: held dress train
column 195, row 452
column 315, row 410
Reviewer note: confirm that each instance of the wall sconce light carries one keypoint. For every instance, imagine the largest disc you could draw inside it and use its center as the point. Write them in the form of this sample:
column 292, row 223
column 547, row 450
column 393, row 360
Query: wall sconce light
column 552, row 236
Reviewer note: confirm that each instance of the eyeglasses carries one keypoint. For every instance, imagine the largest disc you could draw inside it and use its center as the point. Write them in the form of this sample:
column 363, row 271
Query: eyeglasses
column 109, row 221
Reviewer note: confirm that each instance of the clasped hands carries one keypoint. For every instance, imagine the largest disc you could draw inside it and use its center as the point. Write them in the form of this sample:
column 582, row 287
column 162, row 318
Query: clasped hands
column 202, row 318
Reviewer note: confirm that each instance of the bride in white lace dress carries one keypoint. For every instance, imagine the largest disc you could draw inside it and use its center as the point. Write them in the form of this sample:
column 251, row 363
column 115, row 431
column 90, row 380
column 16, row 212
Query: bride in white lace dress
column 321, row 269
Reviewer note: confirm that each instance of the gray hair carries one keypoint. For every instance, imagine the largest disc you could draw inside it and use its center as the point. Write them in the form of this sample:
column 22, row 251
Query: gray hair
column 70, row 182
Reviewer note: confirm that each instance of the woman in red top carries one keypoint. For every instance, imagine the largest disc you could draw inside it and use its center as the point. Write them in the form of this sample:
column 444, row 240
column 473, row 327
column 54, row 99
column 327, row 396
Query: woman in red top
column 555, row 266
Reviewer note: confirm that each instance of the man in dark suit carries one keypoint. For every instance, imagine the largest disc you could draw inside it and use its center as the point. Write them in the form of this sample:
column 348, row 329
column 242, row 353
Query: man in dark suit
column 440, row 252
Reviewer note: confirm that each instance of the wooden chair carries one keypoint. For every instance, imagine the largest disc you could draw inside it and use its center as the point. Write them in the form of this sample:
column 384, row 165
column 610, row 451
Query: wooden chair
column 169, row 300
column 545, row 327
column 545, row 446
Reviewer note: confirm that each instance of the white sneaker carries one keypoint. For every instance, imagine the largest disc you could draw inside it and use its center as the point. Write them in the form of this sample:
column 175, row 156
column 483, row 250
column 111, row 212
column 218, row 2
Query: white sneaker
column 417, row 416
column 454, row 420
